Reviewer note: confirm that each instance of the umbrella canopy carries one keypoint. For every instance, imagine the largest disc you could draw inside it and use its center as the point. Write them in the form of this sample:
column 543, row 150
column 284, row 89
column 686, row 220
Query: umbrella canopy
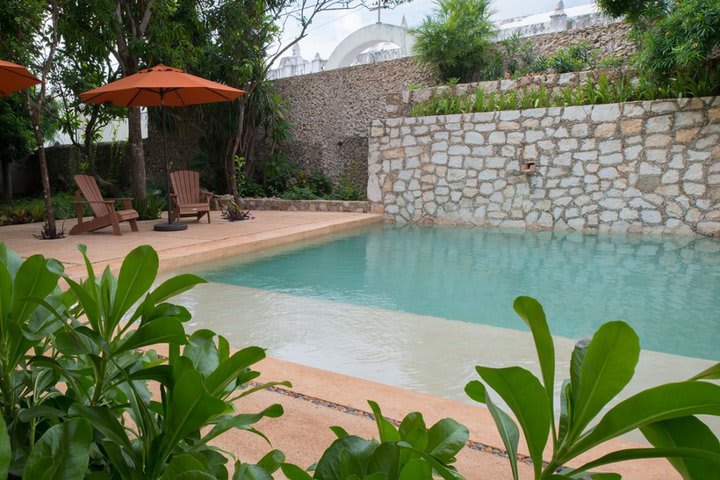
column 161, row 86
column 14, row 77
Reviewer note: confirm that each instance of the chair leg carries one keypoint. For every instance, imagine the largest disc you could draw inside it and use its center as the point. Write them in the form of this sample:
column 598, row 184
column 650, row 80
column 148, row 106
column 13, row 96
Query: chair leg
column 115, row 225
column 133, row 225
column 208, row 215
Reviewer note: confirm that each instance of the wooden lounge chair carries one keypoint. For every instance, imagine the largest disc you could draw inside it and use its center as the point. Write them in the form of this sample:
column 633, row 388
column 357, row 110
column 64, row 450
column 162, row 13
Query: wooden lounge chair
column 188, row 200
column 103, row 209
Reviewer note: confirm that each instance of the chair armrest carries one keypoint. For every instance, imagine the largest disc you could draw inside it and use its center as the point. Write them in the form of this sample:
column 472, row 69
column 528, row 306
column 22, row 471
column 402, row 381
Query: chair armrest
column 105, row 202
column 119, row 199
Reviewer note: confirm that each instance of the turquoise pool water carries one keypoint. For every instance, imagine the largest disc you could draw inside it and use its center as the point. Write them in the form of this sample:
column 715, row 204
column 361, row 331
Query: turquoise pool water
column 668, row 289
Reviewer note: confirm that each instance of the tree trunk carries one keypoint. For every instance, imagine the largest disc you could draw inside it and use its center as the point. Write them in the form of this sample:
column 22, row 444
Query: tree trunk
column 137, row 154
column 7, row 182
column 51, row 231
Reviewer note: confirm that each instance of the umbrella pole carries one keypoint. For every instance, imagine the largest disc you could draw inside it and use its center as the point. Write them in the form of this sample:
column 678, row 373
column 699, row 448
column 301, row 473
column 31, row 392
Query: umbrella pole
column 169, row 226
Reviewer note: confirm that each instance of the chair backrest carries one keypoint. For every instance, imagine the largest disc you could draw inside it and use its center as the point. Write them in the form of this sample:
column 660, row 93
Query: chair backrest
column 90, row 190
column 186, row 185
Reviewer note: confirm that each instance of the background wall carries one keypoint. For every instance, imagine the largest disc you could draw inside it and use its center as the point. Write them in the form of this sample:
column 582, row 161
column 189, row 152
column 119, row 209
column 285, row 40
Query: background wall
column 639, row 166
column 332, row 110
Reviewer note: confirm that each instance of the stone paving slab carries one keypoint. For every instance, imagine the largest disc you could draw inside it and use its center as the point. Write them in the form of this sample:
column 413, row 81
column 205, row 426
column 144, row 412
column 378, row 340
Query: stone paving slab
column 199, row 243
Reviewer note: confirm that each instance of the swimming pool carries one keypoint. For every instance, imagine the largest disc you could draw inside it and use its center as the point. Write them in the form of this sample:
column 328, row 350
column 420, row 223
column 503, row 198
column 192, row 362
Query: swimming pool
column 668, row 289
column 420, row 307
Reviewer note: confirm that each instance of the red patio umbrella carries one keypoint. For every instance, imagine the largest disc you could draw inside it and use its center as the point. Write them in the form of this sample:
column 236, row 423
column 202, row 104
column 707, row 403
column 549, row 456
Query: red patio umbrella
column 14, row 77
column 161, row 86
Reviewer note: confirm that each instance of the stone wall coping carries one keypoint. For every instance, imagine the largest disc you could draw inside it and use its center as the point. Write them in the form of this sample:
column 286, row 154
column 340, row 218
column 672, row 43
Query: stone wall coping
column 625, row 109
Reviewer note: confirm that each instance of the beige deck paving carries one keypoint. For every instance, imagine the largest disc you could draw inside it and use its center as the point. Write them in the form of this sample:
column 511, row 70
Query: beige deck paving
column 303, row 432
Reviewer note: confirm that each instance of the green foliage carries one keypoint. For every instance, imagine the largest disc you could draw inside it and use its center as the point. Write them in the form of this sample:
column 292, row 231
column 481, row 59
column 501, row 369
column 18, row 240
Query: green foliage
column 16, row 137
column 456, row 41
column 104, row 421
column 624, row 89
column 599, row 370
column 150, row 207
column 672, row 35
column 276, row 173
column 31, row 210
column 345, row 191
column 410, row 451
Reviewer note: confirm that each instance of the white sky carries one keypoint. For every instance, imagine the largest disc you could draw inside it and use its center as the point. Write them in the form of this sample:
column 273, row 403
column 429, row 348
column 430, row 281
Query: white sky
column 330, row 28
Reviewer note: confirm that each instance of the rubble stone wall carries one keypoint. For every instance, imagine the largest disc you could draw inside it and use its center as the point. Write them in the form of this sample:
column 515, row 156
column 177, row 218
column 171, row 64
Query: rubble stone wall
column 639, row 166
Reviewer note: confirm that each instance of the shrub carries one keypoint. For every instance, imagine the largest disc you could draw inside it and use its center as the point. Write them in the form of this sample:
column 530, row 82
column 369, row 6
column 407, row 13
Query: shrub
column 103, row 422
column 456, row 41
column 671, row 35
column 701, row 83
column 345, row 191
column 411, row 451
column 300, row 193
column 150, row 207
column 599, row 370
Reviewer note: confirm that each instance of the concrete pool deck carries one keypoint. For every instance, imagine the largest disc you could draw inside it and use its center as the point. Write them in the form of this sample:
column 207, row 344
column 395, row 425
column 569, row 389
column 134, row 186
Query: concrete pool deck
column 318, row 399
column 201, row 242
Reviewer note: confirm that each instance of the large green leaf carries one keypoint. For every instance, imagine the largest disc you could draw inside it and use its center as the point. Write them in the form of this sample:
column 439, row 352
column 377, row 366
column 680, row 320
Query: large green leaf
column 137, row 274
column 712, row 373
column 62, row 453
column 565, row 411
column 10, row 259
column 533, row 315
column 242, row 421
column 293, row 472
column 202, row 352
column 328, row 468
column 527, row 399
column 244, row 471
column 180, row 464
column 385, row 460
column 608, row 367
column 446, row 438
column 108, row 424
column 387, row 431
column 664, row 402
column 229, row 370
column 4, row 447
column 190, row 408
column 684, row 432
column 160, row 330
column 36, row 278
column 416, row 469
column 708, row 458
column 271, row 461
column 6, row 290
column 509, row 431
column 174, row 286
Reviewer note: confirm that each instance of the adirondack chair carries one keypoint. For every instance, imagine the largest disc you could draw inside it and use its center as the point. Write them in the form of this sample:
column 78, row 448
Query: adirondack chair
column 103, row 209
column 188, row 200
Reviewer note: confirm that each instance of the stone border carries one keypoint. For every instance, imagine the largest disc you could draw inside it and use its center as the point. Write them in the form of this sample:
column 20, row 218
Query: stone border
column 348, row 206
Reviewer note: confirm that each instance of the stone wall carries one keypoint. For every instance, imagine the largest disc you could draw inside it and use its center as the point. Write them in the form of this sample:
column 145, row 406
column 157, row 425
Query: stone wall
column 611, row 39
column 331, row 110
column 305, row 205
column 640, row 167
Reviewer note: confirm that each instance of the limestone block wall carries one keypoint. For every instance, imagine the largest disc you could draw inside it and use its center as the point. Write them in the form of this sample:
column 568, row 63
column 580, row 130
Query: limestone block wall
column 635, row 167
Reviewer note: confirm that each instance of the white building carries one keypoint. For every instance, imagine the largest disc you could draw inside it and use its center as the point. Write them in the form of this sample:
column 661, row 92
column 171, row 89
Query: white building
column 380, row 41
